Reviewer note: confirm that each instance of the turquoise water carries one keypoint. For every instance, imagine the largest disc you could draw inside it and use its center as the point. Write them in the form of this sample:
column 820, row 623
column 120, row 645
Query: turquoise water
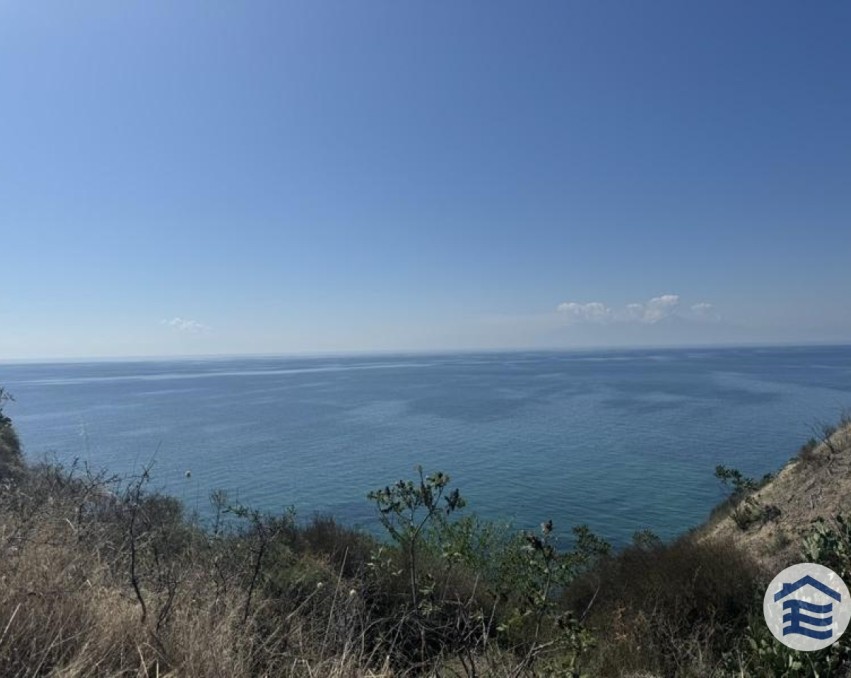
column 621, row 440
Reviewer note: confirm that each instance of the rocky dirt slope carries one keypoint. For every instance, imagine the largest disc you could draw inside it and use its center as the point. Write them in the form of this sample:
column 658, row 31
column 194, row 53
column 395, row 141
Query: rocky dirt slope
column 771, row 522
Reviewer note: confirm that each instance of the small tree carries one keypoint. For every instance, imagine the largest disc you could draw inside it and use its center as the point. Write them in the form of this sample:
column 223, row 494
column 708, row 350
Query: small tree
column 733, row 479
column 541, row 573
column 406, row 509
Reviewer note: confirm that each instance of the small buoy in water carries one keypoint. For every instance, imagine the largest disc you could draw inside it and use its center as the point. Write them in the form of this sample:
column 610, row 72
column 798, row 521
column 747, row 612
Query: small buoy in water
column 189, row 474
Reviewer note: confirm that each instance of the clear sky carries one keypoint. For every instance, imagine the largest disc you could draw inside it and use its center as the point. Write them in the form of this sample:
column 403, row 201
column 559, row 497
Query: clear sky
column 203, row 177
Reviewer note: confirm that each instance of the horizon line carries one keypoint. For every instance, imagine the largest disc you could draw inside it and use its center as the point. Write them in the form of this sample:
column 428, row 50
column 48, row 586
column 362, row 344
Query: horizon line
column 349, row 353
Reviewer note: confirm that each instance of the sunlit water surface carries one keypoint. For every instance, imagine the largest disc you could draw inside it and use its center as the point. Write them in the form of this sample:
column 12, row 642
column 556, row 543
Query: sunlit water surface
column 621, row 441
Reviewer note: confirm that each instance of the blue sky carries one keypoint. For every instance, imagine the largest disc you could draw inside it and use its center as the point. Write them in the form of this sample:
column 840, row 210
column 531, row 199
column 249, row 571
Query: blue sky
column 277, row 177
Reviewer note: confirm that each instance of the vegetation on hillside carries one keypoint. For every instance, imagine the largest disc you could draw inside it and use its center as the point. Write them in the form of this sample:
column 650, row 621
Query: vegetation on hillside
column 101, row 576
column 772, row 517
column 11, row 459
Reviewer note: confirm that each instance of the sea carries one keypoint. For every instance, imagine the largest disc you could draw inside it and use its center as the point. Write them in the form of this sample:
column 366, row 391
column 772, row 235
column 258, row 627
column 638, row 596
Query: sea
column 618, row 440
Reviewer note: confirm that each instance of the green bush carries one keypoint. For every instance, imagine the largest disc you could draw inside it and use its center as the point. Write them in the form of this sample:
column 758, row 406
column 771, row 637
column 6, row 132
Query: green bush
column 472, row 587
column 11, row 458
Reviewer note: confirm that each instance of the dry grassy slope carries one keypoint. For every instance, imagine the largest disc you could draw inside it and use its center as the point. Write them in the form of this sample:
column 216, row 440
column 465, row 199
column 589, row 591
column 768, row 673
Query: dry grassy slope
column 809, row 487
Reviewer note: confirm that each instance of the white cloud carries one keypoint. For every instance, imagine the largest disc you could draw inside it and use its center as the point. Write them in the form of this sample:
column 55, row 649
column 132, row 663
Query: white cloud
column 185, row 325
column 659, row 308
column 593, row 311
column 649, row 312
column 704, row 311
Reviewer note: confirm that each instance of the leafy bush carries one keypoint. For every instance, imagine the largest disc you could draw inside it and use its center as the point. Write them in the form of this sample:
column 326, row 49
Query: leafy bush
column 472, row 586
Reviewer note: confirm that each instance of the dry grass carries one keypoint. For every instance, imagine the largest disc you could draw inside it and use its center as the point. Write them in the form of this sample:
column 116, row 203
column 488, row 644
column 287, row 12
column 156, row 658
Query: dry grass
column 96, row 580
column 68, row 606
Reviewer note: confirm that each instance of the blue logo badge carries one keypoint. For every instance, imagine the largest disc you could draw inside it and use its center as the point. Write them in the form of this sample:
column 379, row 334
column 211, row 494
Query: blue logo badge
column 807, row 607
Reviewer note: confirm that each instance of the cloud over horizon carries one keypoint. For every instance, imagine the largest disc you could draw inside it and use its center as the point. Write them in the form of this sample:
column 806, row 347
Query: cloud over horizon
column 593, row 311
column 705, row 311
column 185, row 324
column 649, row 312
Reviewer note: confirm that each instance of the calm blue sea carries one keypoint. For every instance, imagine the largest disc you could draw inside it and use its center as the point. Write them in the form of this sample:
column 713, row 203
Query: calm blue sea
column 620, row 440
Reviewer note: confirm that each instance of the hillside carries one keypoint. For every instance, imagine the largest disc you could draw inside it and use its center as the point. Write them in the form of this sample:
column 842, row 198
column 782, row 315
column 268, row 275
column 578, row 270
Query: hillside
column 771, row 522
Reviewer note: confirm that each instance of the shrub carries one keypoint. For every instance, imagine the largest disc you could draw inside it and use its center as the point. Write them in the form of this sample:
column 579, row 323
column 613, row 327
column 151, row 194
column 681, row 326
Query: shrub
column 11, row 459
column 744, row 509
column 751, row 511
column 667, row 609
column 473, row 588
column 807, row 451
